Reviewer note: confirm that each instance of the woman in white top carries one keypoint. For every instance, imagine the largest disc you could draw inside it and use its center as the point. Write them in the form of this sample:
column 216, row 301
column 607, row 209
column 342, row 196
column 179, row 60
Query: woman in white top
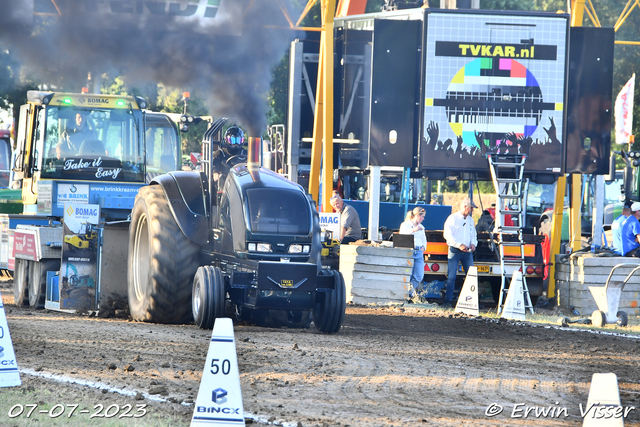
column 413, row 225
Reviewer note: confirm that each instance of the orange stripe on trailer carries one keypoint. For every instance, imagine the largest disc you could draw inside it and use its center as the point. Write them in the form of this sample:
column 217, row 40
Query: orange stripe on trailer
column 437, row 248
column 441, row 248
column 529, row 250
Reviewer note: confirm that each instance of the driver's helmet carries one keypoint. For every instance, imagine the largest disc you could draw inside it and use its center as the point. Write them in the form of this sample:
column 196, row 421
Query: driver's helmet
column 233, row 142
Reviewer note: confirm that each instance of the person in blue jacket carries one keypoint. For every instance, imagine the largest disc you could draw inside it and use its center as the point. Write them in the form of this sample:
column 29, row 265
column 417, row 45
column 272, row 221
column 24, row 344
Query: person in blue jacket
column 616, row 228
column 631, row 232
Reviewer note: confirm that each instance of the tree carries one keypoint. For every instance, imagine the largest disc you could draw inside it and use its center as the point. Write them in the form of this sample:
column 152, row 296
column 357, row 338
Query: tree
column 278, row 92
column 13, row 85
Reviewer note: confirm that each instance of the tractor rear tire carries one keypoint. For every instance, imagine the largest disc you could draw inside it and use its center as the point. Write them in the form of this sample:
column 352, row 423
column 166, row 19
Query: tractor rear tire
column 162, row 261
column 20, row 283
column 38, row 280
column 207, row 301
column 328, row 313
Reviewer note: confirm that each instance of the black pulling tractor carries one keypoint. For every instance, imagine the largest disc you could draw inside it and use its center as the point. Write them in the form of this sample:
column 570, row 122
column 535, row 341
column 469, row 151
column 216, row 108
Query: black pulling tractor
column 245, row 240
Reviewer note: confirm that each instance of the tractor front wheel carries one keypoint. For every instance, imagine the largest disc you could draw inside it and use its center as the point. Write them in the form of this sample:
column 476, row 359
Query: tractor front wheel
column 328, row 313
column 207, row 301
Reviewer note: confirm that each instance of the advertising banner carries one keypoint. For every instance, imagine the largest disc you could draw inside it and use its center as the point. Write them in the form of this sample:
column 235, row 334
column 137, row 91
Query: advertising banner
column 25, row 245
column 79, row 269
column 72, row 193
column 623, row 111
column 330, row 221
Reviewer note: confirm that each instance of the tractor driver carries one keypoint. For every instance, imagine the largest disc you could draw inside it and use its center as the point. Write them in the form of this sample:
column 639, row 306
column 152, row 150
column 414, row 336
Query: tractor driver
column 80, row 132
column 74, row 135
column 231, row 151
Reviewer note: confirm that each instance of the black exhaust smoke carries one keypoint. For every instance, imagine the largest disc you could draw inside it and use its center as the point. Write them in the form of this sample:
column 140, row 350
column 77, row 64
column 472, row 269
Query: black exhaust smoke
column 224, row 53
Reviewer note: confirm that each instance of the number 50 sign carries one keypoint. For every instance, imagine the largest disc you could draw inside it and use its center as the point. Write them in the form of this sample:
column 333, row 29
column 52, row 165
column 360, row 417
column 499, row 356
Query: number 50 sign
column 219, row 397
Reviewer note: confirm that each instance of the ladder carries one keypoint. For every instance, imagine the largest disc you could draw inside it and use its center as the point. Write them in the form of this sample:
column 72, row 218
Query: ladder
column 507, row 174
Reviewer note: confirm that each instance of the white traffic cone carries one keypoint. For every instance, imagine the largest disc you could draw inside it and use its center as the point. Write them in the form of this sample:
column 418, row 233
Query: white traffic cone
column 9, row 374
column 603, row 405
column 514, row 305
column 468, row 299
column 219, row 400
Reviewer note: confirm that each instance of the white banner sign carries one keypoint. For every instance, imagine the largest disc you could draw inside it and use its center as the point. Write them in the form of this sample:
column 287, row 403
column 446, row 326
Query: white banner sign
column 623, row 112
column 72, row 193
column 330, row 221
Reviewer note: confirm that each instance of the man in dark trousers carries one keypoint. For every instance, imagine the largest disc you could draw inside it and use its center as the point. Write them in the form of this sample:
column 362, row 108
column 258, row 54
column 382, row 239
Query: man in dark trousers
column 460, row 233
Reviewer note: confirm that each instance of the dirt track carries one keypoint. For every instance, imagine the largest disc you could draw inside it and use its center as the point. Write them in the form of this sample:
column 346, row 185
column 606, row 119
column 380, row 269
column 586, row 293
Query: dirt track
column 386, row 367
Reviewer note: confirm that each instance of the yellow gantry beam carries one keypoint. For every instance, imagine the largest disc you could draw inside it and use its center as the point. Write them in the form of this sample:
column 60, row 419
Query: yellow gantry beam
column 577, row 17
column 318, row 123
column 328, row 12
column 323, row 123
column 625, row 13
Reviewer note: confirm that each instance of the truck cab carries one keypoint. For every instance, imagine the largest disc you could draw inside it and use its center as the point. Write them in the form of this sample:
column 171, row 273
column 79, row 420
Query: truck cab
column 92, row 140
column 80, row 161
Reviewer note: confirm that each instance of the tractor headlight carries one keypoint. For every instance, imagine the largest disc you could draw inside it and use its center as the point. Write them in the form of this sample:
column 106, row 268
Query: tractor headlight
column 251, row 247
column 306, row 249
column 295, row 249
column 264, row 247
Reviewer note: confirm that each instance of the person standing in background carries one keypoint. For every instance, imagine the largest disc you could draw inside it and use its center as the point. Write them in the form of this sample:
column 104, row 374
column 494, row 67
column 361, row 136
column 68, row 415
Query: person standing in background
column 630, row 232
column 350, row 229
column 616, row 229
column 413, row 225
column 460, row 233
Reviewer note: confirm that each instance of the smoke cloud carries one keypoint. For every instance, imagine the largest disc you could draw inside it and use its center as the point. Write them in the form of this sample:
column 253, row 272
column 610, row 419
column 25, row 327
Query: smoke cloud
column 224, row 53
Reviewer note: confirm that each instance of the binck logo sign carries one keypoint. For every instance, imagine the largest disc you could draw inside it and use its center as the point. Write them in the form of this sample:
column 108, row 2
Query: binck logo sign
column 219, row 396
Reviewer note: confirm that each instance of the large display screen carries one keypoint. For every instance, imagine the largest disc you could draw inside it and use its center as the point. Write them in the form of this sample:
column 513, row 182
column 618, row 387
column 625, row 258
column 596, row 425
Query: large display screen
column 494, row 84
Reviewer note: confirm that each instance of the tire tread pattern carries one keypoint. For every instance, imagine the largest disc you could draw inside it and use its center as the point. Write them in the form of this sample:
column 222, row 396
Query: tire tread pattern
column 20, row 283
column 329, row 313
column 173, row 261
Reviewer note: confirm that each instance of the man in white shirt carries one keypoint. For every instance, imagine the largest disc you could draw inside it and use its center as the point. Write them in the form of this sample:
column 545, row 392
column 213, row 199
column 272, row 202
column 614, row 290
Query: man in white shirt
column 460, row 233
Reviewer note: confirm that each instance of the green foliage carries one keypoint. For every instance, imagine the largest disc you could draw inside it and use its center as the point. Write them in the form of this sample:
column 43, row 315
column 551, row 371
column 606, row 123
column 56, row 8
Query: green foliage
column 538, row 5
column 277, row 96
column 170, row 100
column 164, row 99
column 486, row 187
column 13, row 85
column 313, row 17
column 508, row 4
column 113, row 86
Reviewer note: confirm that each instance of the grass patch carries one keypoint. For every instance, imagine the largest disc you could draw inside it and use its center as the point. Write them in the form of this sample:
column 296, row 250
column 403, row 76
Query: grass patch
column 53, row 398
